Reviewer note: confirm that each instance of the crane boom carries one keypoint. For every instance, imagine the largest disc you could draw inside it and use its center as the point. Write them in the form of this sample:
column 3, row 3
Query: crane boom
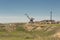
column 27, row 16
column 30, row 18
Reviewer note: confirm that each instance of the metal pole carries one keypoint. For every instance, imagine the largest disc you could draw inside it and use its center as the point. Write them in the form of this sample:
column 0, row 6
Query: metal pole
column 50, row 15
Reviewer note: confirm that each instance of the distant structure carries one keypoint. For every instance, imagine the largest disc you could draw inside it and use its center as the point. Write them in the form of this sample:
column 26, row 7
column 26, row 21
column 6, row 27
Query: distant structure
column 50, row 15
column 30, row 18
column 51, row 21
column 47, row 22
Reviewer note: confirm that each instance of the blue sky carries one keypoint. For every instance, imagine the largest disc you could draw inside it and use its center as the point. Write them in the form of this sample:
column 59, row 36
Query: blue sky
column 14, row 10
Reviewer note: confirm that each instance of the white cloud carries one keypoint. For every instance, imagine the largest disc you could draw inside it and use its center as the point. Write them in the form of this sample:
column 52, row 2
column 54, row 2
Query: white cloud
column 8, row 19
column 39, row 18
column 5, row 19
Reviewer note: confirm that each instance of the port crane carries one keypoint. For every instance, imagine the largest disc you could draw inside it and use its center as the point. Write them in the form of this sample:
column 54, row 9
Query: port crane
column 30, row 18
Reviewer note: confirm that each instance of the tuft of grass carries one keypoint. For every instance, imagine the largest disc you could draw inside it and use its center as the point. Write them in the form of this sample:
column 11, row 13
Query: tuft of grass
column 20, row 28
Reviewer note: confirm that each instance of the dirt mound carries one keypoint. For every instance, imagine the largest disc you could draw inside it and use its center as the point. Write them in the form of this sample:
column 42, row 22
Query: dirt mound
column 57, row 32
column 34, row 26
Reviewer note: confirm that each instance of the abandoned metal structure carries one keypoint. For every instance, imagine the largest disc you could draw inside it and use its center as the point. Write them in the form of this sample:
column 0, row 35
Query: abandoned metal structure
column 30, row 18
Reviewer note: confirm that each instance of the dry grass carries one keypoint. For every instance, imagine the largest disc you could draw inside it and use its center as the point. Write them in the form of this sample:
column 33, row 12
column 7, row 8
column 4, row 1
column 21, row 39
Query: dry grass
column 21, row 34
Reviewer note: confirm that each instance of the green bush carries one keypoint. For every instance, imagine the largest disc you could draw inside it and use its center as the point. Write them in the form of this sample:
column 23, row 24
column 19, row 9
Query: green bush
column 2, row 30
column 20, row 28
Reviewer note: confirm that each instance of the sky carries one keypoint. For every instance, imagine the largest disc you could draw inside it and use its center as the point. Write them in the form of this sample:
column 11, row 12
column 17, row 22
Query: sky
column 14, row 10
